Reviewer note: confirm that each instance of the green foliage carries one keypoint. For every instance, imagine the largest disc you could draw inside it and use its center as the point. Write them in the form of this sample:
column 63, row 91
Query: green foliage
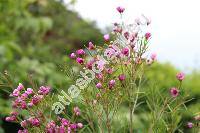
column 34, row 37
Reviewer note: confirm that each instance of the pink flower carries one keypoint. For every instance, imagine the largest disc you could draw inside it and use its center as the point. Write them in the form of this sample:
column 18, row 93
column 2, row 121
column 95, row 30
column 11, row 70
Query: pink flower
column 180, row 76
column 50, row 127
column 99, row 85
column 23, row 131
column 23, row 105
column 109, row 70
column 77, row 111
column 109, row 52
column 15, row 103
column 44, row 90
column 80, row 52
column 117, row 29
column 62, row 129
column 147, row 35
column 64, row 122
column 80, row 125
column 24, row 123
column 99, row 76
column 36, row 99
column 24, row 96
column 125, row 51
column 90, row 46
column 126, row 35
column 73, row 126
column 20, row 87
column 34, row 121
column 80, row 60
column 174, row 92
column 106, row 37
column 98, row 95
column 29, row 91
column 90, row 63
column 190, row 124
column 30, row 104
column 121, row 77
column 100, row 64
column 120, row 9
column 153, row 56
column 149, row 62
column 11, row 118
column 72, row 55
column 14, row 113
column 16, row 93
column 111, row 83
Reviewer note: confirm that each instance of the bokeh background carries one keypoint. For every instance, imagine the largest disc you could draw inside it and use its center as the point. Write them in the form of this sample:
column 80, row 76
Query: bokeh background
column 36, row 37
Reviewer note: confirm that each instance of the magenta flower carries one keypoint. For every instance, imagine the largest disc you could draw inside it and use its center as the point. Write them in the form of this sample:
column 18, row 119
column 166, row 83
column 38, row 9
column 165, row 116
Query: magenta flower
column 29, row 91
column 147, row 35
column 34, row 121
column 99, row 85
column 111, row 83
column 109, row 70
column 109, row 52
column 79, row 125
column 120, row 9
column 99, row 76
column 174, row 92
column 80, row 52
column 73, row 126
column 24, row 123
column 30, row 104
column 190, row 124
column 20, row 87
column 77, row 111
column 16, row 93
column 153, row 56
column 90, row 63
column 106, row 37
column 72, row 55
column 80, row 60
column 11, row 118
column 23, row 105
column 44, row 90
column 90, row 46
column 23, row 131
column 64, row 122
column 117, row 29
column 125, row 51
column 126, row 35
column 121, row 77
column 180, row 76
column 100, row 64
column 24, row 96
column 14, row 113
column 36, row 99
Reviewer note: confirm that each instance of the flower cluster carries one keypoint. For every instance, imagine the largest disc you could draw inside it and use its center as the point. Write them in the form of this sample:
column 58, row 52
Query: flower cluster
column 175, row 91
column 116, row 64
column 26, row 98
column 29, row 100
column 63, row 127
column 194, row 124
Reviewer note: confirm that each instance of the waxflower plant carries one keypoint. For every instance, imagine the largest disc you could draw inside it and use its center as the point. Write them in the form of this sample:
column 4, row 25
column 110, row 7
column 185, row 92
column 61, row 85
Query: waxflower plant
column 117, row 68
column 121, row 62
column 31, row 110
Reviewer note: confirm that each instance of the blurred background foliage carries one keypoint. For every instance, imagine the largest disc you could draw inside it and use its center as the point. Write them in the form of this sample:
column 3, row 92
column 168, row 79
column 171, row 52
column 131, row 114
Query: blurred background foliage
column 36, row 36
